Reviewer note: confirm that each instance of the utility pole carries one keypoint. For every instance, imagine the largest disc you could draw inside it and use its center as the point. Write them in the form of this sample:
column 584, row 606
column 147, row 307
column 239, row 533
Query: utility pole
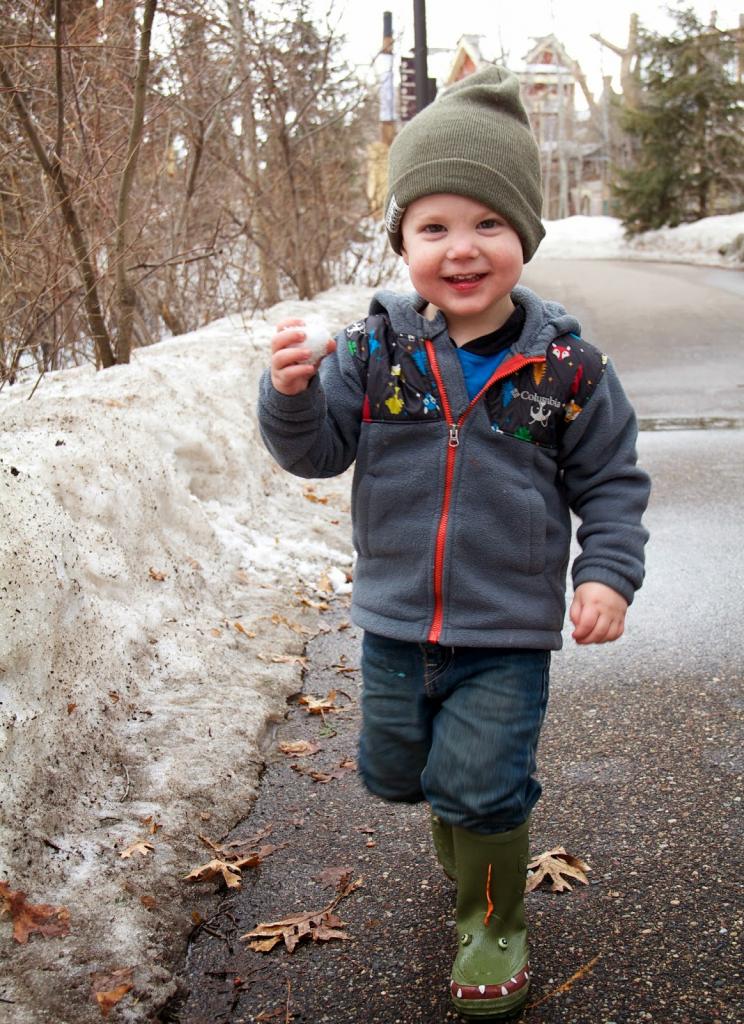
column 387, row 89
column 423, row 94
column 377, row 152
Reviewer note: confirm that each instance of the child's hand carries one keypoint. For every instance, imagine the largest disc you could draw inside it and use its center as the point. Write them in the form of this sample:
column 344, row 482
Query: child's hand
column 290, row 369
column 598, row 613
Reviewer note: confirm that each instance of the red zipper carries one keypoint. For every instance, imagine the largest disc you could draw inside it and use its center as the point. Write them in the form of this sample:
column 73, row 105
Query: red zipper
column 453, row 441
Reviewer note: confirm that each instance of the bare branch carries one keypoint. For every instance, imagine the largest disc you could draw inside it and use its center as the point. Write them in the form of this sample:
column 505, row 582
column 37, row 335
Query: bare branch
column 53, row 169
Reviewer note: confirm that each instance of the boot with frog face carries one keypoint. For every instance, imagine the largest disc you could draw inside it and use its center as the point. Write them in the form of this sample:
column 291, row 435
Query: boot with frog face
column 491, row 972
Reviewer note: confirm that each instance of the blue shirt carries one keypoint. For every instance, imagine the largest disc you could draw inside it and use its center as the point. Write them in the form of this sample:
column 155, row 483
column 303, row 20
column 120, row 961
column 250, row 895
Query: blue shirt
column 481, row 357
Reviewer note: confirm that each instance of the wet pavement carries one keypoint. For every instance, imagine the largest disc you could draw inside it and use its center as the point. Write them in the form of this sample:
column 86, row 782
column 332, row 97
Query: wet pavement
column 674, row 332
column 641, row 761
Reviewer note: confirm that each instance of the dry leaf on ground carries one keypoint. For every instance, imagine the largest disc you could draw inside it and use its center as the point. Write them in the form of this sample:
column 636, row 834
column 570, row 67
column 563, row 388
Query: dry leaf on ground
column 552, row 866
column 29, row 917
column 335, row 878
column 296, row 627
column 299, row 748
column 155, row 575
column 140, row 846
column 111, row 987
column 284, row 659
column 320, row 705
column 348, row 765
column 318, row 925
column 233, row 858
column 240, row 846
column 206, row 872
column 310, row 494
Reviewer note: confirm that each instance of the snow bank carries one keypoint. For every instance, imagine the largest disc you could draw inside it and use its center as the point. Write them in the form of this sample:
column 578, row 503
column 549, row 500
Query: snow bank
column 603, row 238
column 153, row 566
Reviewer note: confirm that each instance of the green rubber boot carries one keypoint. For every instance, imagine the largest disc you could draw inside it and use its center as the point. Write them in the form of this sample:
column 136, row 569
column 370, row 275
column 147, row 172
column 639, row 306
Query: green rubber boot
column 491, row 972
column 441, row 833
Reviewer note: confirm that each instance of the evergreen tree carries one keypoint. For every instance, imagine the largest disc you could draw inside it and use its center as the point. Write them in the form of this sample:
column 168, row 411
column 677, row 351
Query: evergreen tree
column 687, row 131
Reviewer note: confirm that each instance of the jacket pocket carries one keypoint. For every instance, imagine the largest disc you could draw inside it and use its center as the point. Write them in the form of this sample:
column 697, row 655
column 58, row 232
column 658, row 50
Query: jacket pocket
column 538, row 520
column 360, row 513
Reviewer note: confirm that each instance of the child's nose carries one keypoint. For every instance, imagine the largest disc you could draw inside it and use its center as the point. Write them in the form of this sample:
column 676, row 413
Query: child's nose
column 462, row 247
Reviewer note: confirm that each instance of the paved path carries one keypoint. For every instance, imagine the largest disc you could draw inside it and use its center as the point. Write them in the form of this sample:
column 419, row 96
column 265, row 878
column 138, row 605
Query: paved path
column 675, row 332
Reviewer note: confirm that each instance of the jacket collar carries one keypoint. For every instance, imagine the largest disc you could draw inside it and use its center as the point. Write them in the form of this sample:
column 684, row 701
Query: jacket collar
column 544, row 321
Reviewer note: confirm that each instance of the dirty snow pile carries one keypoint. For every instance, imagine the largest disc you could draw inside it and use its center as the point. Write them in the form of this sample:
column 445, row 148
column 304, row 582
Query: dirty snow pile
column 153, row 568
column 604, row 238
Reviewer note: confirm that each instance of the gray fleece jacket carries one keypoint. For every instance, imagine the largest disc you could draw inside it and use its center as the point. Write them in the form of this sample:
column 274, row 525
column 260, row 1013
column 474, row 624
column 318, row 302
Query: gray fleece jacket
column 460, row 508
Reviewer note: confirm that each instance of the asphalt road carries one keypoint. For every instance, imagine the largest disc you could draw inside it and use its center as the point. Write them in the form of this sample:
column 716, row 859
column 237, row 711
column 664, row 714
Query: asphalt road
column 641, row 762
column 675, row 332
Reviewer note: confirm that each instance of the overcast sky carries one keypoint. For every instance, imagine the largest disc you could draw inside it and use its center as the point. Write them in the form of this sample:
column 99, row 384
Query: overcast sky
column 513, row 25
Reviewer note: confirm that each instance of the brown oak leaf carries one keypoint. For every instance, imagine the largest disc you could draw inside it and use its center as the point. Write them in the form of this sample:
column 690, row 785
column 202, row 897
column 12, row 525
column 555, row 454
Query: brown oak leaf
column 29, row 917
column 318, row 925
column 299, row 748
column 321, row 705
column 552, row 866
column 349, row 765
column 111, row 987
column 139, row 846
column 206, row 872
column 231, row 859
column 296, row 627
column 335, row 878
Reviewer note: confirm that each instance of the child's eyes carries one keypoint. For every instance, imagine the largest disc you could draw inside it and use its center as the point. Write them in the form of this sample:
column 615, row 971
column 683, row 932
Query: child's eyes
column 487, row 224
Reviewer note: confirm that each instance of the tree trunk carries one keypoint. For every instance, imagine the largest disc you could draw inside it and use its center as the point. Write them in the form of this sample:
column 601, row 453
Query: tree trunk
column 125, row 293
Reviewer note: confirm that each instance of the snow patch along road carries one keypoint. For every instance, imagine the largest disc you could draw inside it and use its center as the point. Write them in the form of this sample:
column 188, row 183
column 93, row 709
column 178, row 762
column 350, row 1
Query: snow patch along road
column 154, row 566
column 604, row 238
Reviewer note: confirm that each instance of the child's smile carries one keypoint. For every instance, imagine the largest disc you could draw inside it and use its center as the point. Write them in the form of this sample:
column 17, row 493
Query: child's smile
column 465, row 282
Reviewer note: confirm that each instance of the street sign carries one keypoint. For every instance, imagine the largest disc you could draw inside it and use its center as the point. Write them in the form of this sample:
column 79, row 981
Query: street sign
column 408, row 102
column 407, row 88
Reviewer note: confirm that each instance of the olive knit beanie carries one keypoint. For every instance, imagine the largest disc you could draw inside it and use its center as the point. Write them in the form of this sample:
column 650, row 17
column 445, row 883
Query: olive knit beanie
column 475, row 140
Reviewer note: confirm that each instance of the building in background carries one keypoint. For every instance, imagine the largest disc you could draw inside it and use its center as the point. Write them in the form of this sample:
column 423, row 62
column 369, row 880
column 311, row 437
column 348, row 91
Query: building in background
column 579, row 141
column 573, row 146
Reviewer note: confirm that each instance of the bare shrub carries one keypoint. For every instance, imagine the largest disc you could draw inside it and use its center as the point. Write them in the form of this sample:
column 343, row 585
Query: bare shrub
column 149, row 183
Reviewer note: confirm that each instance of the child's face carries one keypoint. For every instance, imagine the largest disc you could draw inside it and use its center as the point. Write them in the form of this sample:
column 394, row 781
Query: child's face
column 463, row 258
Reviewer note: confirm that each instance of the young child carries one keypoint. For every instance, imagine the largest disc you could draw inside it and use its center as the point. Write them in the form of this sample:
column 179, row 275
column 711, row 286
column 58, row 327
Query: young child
column 477, row 418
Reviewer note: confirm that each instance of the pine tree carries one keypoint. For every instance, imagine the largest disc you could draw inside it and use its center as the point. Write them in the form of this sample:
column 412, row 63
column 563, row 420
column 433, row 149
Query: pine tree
column 687, row 131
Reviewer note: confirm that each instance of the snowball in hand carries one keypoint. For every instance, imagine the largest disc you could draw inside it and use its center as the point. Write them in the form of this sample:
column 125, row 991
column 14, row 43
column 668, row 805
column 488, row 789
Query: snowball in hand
column 317, row 337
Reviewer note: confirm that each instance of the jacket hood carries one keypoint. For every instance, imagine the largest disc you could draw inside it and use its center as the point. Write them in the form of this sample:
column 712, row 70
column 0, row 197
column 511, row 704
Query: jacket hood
column 544, row 320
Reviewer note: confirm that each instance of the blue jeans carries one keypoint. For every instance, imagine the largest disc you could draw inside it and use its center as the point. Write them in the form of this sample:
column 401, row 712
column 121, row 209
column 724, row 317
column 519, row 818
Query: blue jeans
column 456, row 726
